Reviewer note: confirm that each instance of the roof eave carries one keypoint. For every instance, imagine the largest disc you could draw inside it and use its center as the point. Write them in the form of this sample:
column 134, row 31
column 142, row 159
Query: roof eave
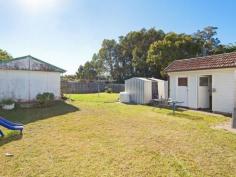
column 171, row 71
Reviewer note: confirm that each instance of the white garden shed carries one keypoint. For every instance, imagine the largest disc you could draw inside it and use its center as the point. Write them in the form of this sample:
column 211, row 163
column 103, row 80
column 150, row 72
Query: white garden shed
column 139, row 90
column 142, row 90
column 204, row 82
column 25, row 77
column 162, row 88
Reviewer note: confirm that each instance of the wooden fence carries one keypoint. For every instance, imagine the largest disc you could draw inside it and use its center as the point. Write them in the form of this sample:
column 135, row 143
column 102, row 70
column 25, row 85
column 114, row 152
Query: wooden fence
column 89, row 87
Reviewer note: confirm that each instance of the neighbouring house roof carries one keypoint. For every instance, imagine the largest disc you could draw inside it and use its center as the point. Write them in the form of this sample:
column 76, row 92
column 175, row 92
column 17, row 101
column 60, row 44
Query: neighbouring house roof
column 226, row 60
column 29, row 63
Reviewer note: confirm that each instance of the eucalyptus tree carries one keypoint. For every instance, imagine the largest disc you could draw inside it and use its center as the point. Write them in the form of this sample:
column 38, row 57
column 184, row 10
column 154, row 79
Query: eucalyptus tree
column 4, row 55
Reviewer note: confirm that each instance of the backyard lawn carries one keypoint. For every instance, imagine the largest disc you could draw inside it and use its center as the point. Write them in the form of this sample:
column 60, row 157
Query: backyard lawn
column 97, row 136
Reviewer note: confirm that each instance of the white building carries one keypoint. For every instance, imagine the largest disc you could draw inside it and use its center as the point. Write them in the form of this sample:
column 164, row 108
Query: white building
column 142, row 90
column 162, row 88
column 139, row 90
column 23, row 78
column 204, row 82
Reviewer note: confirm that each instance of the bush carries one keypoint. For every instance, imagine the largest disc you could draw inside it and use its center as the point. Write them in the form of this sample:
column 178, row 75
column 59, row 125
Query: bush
column 8, row 101
column 108, row 90
column 45, row 98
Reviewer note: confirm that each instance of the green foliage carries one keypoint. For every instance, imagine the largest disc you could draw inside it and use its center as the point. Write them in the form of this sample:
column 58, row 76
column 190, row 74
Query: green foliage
column 230, row 48
column 146, row 53
column 86, row 72
column 94, row 136
column 108, row 90
column 109, row 55
column 7, row 101
column 69, row 78
column 45, row 98
column 225, row 49
column 135, row 46
column 91, row 70
column 4, row 55
column 173, row 47
column 209, row 42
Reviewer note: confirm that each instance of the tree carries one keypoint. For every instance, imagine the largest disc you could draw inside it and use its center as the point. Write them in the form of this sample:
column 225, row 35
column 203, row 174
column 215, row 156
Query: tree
column 208, row 39
column 108, row 56
column 134, row 48
column 72, row 77
column 4, row 55
column 230, row 48
column 98, row 65
column 91, row 70
column 145, row 53
column 173, row 46
column 225, row 49
column 87, row 72
column 80, row 72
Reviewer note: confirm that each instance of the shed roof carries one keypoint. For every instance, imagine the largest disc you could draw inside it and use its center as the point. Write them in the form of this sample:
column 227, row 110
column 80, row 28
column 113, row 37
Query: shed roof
column 140, row 78
column 155, row 79
column 29, row 63
column 226, row 60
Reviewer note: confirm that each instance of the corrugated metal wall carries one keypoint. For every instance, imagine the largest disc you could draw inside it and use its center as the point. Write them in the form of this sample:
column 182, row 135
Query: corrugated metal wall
column 147, row 91
column 140, row 90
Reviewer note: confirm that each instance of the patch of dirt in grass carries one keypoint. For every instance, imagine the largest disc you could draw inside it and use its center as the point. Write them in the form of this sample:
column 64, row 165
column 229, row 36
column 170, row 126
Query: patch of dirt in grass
column 225, row 126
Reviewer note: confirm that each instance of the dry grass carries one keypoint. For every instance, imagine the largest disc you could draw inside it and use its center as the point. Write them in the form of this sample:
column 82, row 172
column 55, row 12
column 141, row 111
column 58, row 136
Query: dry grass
column 105, row 138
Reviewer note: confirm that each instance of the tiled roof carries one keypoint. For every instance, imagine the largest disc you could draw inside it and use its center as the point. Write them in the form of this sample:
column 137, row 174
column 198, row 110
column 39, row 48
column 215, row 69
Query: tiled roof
column 226, row 60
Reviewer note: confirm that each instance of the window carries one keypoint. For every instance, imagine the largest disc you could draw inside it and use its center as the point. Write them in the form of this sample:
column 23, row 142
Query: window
column 203, row 81
column 183, row 81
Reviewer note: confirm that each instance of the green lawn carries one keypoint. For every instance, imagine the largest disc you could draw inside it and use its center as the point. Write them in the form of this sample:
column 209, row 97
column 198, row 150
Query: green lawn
column 96, row 136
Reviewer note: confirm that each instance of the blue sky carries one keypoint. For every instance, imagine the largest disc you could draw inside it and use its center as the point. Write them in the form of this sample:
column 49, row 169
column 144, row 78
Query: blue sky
column 67, row 32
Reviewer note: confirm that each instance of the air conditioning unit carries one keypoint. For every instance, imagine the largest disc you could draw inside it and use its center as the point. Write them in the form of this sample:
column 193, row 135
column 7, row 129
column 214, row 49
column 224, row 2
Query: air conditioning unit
column 124, row 97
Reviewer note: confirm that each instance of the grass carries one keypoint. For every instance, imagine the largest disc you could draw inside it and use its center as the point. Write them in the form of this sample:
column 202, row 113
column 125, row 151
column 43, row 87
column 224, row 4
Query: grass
column 96, row 136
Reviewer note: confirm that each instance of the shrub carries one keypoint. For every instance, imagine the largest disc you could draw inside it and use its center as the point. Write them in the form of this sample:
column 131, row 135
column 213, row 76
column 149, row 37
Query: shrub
column 108, row 90
column 7, row 101
column 45, row 98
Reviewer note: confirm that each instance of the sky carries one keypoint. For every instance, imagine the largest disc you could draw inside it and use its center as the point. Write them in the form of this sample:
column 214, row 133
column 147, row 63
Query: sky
column 66, row 33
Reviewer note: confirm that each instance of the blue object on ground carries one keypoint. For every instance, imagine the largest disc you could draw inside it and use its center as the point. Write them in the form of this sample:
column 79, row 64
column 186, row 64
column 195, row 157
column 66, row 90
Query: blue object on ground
column 10, row 125
column 174, row 104
column 1, row 133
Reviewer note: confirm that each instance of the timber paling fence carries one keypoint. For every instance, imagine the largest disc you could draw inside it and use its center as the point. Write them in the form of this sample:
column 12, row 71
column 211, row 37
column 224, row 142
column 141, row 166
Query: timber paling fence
column 89, row 87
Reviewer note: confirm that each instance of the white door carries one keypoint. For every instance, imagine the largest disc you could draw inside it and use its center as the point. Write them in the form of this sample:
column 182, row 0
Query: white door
column 182, row 91
column 203, row 92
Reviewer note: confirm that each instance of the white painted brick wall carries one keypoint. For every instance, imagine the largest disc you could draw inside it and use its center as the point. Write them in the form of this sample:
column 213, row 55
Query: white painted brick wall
column 223, row 80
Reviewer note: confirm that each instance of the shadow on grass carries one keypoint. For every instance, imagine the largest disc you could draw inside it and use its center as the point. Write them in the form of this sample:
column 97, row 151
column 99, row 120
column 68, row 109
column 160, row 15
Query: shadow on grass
column 29, row 115
column 166, row 108
column 178, row 113
column 9, row 138
column 185, row 116
column 116, row 101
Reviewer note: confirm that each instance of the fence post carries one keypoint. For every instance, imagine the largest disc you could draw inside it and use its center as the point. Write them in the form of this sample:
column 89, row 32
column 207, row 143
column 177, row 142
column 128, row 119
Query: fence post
column 98, row 86
column 234, row 118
